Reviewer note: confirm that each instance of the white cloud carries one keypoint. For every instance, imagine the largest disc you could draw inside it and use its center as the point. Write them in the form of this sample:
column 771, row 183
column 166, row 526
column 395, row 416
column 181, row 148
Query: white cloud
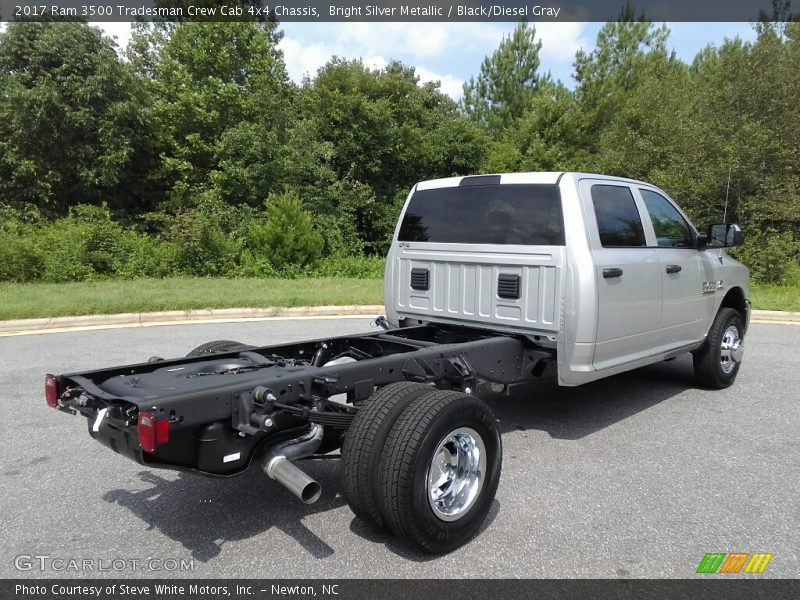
column 120, row 31
column 445, row 52
column 429, row 40
column 305, row 59
column 306, row 50
column 375, row 62
column 302, row 60
column 374, row 43
column 448, row 52
column 419, row 40
column 449, row 84
column 560, row 42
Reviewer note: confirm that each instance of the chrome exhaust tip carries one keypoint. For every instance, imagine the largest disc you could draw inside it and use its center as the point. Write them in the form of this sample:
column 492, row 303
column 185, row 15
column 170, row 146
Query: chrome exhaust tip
column 294, row 479
column 278, row 464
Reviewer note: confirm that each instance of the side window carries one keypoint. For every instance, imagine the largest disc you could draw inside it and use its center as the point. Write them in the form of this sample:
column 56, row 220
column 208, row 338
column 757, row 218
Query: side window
column 672, row 230
column 618, row 218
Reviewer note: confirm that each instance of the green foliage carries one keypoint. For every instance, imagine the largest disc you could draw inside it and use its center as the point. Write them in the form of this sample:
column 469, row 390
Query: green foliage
column 20, row 259
column 204, row 240
column 286, row 237
column 364, row 137
column 355, row 267
column 720, row 135
column 548, row 137
column 624, row 53
column 221, row 100
column 504, row 156
column 212, row 239
column 791, row 275
column 158, row 165
column 86, row 245
column 773, row 257
column 508, row 81
column 148, row 256
column 70, row 116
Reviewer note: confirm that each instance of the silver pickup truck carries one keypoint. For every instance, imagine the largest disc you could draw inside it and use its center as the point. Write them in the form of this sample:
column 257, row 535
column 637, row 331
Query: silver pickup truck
column 607, row 271
column 491, row 281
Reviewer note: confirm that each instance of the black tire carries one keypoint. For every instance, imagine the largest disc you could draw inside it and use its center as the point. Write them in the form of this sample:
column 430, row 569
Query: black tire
column 709, row 370
column 219, row 346
column 413, row 443
column 363, row 444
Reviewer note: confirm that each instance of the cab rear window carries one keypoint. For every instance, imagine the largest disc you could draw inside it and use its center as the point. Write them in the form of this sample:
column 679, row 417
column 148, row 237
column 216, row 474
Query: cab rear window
column 485, row 214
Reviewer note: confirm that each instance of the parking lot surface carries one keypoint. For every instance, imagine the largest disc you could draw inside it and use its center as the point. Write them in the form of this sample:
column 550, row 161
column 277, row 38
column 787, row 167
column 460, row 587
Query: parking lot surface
column 638, row 475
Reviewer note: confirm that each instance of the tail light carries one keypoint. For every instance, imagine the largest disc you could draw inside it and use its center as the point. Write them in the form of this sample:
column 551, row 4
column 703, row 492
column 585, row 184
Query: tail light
column 153, row 431
column 51, row 390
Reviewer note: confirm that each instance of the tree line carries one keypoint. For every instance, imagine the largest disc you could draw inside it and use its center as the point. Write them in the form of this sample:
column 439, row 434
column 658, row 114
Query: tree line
column 191, row 152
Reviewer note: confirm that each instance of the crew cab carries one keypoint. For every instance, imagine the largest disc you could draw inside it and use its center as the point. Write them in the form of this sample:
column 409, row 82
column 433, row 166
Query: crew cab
column 491, row 281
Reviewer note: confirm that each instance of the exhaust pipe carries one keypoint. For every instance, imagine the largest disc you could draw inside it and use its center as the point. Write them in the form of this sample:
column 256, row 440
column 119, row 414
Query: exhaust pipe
column 278, row 466
column 293, row 479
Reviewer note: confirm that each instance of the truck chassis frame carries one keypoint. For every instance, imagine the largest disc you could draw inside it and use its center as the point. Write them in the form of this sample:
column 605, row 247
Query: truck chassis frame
column 234, row 404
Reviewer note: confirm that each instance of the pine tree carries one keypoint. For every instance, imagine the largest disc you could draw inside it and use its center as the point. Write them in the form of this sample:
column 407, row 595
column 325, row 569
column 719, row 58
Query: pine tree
column 287, row 236
column 507, row 82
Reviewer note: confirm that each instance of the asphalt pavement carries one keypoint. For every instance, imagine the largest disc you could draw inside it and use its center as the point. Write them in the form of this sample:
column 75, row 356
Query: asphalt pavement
column 638, row 475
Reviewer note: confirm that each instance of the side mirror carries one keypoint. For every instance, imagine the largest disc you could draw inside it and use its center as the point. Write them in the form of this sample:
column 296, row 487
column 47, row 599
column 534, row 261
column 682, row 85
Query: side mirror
column 724, row 235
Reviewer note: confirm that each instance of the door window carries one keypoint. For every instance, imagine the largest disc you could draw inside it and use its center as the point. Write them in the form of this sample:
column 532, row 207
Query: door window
column 618, row 220
column 671, row 229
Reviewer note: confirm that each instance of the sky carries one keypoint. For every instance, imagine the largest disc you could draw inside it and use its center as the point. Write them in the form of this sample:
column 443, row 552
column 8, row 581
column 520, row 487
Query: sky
column 452, row 52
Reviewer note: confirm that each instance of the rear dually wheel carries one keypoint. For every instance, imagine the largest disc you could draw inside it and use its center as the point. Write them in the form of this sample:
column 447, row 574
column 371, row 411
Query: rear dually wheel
column 440, row 469
column 364, row 442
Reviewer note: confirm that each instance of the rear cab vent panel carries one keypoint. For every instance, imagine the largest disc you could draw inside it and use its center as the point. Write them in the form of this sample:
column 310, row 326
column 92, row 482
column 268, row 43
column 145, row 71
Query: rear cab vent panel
column 487, row 250
column 508, row 286
column 420, row 279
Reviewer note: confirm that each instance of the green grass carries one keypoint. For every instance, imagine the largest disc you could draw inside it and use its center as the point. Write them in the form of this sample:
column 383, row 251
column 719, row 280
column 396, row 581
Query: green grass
column 770, row 297
column 21, row 301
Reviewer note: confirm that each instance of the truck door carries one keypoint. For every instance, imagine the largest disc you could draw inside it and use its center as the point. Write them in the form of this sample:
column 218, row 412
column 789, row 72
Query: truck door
column 686, row 310
column 628, row 274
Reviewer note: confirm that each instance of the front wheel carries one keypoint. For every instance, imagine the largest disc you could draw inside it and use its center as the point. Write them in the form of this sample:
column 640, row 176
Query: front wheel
column 440, row 469
column 717, row 363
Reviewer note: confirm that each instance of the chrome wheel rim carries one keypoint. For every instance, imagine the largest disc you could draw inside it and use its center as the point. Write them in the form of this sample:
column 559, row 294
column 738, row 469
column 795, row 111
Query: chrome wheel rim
column 731, row 349
column 456, row 473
